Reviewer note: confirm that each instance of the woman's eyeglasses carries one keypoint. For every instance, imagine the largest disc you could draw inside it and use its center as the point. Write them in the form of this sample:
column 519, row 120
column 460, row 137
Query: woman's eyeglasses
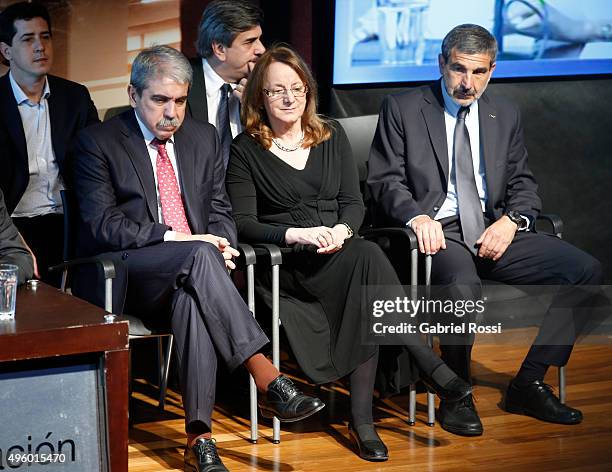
column 298, row 92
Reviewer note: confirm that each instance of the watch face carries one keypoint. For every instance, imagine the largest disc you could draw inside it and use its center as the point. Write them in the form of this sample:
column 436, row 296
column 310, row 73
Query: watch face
column 515, row 217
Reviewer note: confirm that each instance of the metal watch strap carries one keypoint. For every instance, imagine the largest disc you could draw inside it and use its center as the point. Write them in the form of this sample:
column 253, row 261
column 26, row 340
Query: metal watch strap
column 348, row 228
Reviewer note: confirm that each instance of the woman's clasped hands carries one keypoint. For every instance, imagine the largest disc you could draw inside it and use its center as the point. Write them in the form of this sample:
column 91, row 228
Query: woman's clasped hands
column 327, row 240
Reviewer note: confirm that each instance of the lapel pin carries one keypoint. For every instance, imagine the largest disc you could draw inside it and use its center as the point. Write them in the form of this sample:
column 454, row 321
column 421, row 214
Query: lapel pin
column 492, row 116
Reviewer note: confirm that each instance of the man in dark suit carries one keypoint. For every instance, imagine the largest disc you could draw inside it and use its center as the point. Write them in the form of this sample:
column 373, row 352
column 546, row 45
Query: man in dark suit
column 39, row 117
column 151, row 192
column 229, row 44
column 450, row 162
column 12, row 249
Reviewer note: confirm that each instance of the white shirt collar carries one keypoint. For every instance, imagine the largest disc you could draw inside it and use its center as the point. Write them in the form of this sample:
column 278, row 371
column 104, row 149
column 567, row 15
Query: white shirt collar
column 214, row 81
column 450, row 105
column 146, row 133
column 20, row 95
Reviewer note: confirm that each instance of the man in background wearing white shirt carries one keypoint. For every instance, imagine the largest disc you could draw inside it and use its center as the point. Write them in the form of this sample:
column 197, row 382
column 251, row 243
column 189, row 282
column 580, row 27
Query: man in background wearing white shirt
column 229, row 44
column 40, row 116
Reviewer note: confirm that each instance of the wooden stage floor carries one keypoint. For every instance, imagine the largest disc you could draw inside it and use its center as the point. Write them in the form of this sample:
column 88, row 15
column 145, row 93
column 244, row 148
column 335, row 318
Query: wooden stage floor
column 510, row 442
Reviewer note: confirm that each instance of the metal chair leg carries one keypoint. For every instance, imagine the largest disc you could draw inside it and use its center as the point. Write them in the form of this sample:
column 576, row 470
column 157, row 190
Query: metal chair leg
column 275, row 340
column 165, row 369
column 414, row 274
column 276, row 259
column 431, row 400
column 562, row 392
column 252, row 386
column 412, row 405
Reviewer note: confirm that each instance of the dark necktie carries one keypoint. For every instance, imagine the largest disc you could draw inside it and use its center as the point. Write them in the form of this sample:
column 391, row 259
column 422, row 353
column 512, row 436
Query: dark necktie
column 470, row 211
column 223, row 122
column 173, row 211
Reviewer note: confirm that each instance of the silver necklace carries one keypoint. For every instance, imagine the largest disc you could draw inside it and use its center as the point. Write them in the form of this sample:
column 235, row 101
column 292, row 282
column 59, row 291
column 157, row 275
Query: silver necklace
column 295, row 147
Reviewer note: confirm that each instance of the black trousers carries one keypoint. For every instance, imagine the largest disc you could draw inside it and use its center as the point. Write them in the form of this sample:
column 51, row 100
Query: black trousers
column 531, row 259
column 45, row 236
column 187, row 285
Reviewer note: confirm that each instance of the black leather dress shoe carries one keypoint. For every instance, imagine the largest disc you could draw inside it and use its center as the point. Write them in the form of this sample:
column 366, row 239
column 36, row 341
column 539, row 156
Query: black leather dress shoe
column 203, row 457
column 460, row 417
column 371, row 450
column 538, row 400
column 452, row 391
column 286, row 402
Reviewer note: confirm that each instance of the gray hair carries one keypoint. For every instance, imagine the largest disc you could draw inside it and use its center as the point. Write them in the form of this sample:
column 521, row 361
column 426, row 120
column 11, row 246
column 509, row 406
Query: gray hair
column 469, row 39
column 159, row 61
column 223, row 20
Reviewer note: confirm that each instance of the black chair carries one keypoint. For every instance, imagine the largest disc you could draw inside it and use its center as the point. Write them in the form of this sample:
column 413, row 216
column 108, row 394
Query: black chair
column 110, row 112
column 360, row 132
column 137, row 329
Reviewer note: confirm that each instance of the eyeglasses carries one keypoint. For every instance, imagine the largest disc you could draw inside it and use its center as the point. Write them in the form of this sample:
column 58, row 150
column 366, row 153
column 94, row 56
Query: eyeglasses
column 298, row 92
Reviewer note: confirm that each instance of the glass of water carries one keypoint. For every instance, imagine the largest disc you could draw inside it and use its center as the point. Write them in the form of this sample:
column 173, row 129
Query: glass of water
column 401, row 32
column 8, row 291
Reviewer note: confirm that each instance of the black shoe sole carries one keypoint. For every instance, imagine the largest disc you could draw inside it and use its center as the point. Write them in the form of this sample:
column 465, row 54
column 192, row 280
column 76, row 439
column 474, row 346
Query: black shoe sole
column 192, row 468
column 517, row 410
column 365, row 457
column 462, row 432
column 266, row 413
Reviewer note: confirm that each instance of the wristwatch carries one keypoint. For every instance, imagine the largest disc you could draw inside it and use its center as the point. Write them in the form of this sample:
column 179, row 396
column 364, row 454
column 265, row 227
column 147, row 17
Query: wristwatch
column 517, row 219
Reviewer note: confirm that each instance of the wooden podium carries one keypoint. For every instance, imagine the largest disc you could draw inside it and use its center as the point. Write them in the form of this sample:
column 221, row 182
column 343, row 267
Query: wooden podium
column 50, row 328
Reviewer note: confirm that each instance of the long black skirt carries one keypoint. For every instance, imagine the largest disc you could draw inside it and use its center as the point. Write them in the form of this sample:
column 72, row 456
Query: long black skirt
column 321, row 310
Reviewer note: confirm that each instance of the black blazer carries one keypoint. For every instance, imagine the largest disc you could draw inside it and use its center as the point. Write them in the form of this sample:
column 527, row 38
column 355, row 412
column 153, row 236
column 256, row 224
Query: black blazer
column 408, row 165
column 197, row 104
column 70, row 109
column 115, row 186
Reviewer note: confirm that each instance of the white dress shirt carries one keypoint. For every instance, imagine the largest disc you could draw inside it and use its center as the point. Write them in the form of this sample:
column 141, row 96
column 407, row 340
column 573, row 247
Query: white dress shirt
column 42, row 195
column 451, row 109
column 152, row 149
column 214, row 82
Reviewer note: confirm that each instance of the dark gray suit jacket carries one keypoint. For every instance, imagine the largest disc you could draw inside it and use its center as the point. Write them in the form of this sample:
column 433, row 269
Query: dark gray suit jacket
column 70, row 109
column 197, row 104
column 12, row 250
column 408, row 165
column 115, row 187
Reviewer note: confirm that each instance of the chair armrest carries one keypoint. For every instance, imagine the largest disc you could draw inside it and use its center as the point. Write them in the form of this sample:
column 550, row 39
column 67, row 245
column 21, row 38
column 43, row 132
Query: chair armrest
column 555, row 222
column 272, row 250
column 374, row 233
column 107, row 265
column 108, row 268
column 248, row 253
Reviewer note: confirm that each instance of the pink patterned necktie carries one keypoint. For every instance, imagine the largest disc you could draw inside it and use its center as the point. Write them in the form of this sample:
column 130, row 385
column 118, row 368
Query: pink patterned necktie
column 169, row 194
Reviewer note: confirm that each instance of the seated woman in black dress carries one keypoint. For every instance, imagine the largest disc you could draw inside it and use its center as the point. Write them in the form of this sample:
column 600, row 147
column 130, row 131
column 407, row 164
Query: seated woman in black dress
column 292, row 181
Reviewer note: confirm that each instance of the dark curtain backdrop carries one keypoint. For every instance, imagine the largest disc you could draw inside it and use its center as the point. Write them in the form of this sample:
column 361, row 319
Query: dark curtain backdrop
column 289, row 21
